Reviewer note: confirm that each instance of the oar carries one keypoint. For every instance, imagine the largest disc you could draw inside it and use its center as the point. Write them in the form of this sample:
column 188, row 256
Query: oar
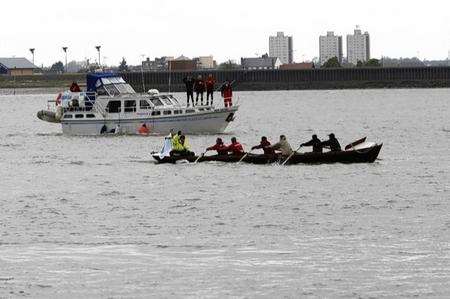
column 244, row 156
column 203, row 154
column 290, row 156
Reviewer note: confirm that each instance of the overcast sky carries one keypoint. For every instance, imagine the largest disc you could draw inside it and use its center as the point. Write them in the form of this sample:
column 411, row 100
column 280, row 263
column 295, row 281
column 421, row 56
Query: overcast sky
column 226, row 29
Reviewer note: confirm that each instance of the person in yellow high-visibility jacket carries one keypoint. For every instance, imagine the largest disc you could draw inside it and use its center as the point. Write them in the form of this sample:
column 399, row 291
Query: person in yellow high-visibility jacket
column 180, row 147
column 176, row 138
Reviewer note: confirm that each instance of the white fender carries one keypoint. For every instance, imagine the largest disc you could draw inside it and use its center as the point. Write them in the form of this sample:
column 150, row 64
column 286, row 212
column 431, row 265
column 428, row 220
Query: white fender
column 59, row 112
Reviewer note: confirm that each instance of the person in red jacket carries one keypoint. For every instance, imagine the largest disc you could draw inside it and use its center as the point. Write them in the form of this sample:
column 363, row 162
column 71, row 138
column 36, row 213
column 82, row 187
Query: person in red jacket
column 235, row 148
column 75, row 87
column 219, row 147
column 210, row 82
column 227, row 93
column 265, row 146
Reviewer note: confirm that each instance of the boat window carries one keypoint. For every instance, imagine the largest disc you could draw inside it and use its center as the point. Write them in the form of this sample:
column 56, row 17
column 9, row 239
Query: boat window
column 166, row 100
column 156, row 102
column 111, row 89
column 156, row 113
column 190, row 111
column 167, row 112
column 130, row 106
column 90, row 115
column 174, row 100
column 178, row 112
column 113, row 107
column 68, row 116
column 144, row 104
column 79, row 115
column 124, row 88
column 101, row 91
column 106, row 80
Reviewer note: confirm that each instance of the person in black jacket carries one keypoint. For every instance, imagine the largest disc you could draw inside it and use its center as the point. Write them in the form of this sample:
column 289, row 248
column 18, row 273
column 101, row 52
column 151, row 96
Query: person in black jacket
column 189, row 82
column 315, row 143
column 199, row 88
column 332, row 143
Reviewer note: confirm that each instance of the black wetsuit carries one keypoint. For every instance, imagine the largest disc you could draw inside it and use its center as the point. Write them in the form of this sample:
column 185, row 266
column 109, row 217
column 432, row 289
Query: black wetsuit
column 189, row 82
column 316, row 145
column 333, row 144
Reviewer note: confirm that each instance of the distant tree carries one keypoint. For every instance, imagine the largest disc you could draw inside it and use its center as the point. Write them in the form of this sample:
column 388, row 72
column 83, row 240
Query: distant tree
column 123, row 67
column 229, row 65
column 359, row 63
column 331, row 63
column 57, row 67
column 373, row 62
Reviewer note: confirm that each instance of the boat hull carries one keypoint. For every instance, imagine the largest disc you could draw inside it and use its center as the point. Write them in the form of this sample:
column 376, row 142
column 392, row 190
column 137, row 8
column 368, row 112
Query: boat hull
column 367, row 155
column 211, row 122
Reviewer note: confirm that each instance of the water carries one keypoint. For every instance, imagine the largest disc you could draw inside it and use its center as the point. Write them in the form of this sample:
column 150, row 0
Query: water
column 94, row 217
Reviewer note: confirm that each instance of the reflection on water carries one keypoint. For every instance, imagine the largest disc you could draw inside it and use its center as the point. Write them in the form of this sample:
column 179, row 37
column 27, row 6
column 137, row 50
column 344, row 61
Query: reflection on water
column 87, row 216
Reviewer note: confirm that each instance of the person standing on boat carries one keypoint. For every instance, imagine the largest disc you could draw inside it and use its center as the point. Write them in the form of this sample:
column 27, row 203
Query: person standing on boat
column 227, row 93
column 315, row 143
column 265, row 146
column 189, row 82
column 235, row 148
column 210, row 83
column 219, row 147
column 332, row 143
column 199, row 88
column 75, row 87
column 283, row 146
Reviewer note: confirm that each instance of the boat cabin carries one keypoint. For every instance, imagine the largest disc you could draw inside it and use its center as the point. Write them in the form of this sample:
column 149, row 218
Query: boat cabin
column 107, row 84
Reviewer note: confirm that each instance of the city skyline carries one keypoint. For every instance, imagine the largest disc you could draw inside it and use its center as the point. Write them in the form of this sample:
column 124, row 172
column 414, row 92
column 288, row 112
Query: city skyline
column 158, row 29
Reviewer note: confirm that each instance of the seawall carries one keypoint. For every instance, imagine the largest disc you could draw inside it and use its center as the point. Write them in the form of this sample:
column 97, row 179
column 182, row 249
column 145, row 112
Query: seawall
column 342, row 78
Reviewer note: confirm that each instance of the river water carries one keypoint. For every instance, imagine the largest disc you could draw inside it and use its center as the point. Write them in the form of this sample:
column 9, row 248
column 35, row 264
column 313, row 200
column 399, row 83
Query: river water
column 95, row 217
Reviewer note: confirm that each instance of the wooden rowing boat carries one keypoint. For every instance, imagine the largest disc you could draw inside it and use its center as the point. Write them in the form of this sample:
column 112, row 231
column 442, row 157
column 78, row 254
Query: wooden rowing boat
column 352, row 155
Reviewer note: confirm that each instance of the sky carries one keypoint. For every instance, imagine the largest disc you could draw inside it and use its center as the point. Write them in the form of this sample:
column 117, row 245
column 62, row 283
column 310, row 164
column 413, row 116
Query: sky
column 225, row 29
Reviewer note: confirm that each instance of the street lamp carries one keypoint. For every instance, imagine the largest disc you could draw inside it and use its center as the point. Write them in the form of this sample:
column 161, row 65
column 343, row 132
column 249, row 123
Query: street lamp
column 65, row 52
column 32, row 53
column 142, row 73
column 98, row 50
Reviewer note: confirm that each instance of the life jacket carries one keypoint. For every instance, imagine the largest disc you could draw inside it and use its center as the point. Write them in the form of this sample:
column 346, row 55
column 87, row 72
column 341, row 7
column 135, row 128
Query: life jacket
column 179, row 147
column 220, row 148
column 175, row 139
column 235, row 148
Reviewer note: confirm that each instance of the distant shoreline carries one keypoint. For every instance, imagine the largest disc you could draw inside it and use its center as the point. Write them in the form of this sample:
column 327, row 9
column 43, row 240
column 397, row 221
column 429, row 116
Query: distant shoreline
column 254, row 80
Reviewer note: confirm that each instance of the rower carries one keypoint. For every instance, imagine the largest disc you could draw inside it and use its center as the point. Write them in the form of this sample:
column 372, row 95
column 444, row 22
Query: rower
column 332, row 143
column 235, row 148
column 265, row 146
column 181, row 148
column 315, row 143
column 175, row 138
column 219, row 147
column 283, row 146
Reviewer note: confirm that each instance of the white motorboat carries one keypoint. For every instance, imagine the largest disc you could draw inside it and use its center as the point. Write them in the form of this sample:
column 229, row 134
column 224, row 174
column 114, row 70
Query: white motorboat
column 111, row 105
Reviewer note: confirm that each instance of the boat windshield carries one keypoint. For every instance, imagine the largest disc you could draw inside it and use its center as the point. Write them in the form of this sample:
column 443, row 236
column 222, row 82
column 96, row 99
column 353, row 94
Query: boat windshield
column 116, row 85
column 174, row 100
column 166, row 100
